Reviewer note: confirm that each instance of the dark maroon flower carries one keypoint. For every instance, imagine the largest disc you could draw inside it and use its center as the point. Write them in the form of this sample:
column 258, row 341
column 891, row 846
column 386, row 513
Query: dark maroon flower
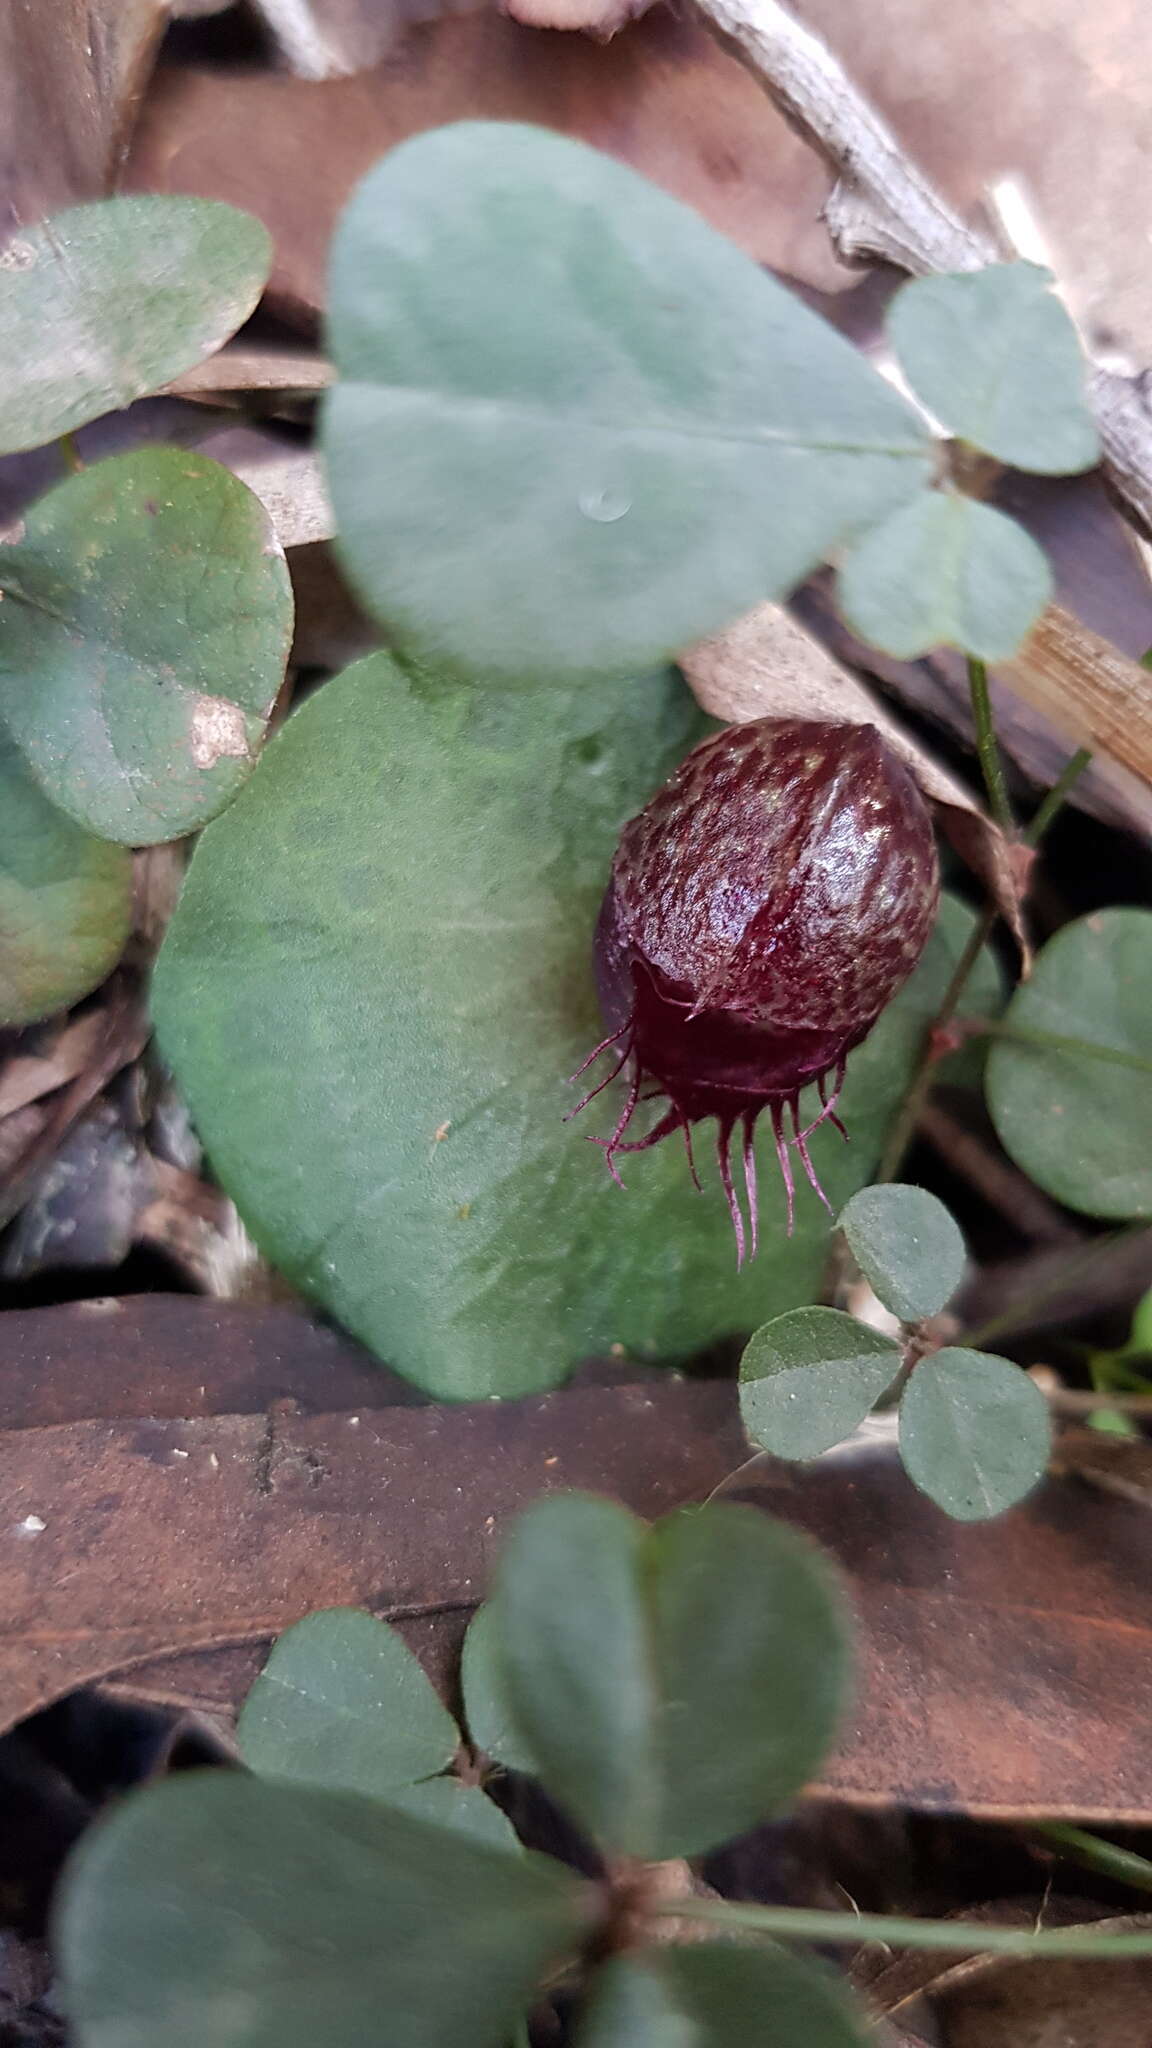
column 763, row 910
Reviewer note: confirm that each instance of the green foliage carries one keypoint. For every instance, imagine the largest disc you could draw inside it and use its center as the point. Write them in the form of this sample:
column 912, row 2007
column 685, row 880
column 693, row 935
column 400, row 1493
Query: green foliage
column 375, row 987
column 490, row 1721
column 807, row 1379
column 103, row 303
column 221, row 1909
column 1081, row 1123
column 974, row 1433
column 343, row 1702
column 575, row 428
column 65, row 900
column 945, row 571
column 995, row 356
column 674, row 1684
column 452, row 1804
column 907, row 1246
column 145, row 625
column 715, row 1995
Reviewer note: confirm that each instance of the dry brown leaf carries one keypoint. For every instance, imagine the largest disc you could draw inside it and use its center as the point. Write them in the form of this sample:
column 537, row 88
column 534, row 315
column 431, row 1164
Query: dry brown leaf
column 1003, row 1668
column 769, row 666
column 70, row 72
column 1087, row 688
column 27, row 1077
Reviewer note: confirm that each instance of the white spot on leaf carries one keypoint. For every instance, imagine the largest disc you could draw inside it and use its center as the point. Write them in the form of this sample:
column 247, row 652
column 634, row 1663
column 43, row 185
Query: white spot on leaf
column 218, row 732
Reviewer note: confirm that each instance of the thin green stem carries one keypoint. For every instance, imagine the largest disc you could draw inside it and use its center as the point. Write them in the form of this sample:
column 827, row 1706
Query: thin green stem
column 900, row 1136
column 986, row 747
column 798, row 1923
column 1039, row 823
column 1071, row 1269
column 71, row 453
column 521, row 2035
column 1094, row 1853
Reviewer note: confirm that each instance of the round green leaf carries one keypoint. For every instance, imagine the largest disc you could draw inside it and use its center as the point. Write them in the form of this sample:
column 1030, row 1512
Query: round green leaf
column 145, row 623
column 907, row 1246
column 105, row 302
column 491, row 1722
column 675, row 1684
column 575, row 428
column 65, row 900
column 375, row 988
column 718, row 1995
column 221, row 1909
column 452, row 1804
column 995, row 356
column 808, row 1378
column 945, row 571
column 1081, row 1126
column 343, row 1702
column 974, row 1433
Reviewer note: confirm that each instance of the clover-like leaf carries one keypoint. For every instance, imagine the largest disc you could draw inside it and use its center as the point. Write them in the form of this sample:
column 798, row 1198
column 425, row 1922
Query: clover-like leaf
column 490, row 1720
column 675, row 1684
column 809, row 1377
column 575, row 428
column 717, row 1995
column 218, row 1908
column 907, row 1246
column 65, row 900
column 105, row 302
column 343, row 1702
column 995, row 356
column 145, row 624
column 1081, row 1123
column 945, row 571
column 974, row 1432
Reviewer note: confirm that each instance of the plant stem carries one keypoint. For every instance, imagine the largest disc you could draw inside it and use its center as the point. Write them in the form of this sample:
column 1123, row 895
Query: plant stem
column 1038, row 825
column 801, row 1924
column 899, row 1137
column 73, row 459
column 1094, row 1853
column 902, row 1130
column 986, row 747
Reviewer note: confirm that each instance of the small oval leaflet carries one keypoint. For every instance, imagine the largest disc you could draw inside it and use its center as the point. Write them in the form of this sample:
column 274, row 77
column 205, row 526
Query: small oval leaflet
column 995, row 356
column 1081, row 1125
column 718, row 1995
column 809, row 1377
column 907, row 1246
column 974, row 1433
column 945, row 571
column 490, row 1722
column 65, row 900
column 343, row 1702
column 103, row 303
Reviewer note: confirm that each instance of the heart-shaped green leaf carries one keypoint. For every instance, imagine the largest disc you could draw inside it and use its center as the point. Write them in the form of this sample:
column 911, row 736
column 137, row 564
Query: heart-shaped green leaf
column 65, row 900
column 575, row 429
column 452, row 1804
column 491, row 1722
column 945, row 571
column 226, row 1910
column 1081, row 1124
column 343, row 1702
column 974, row 1432
column 373, row 992
column 994, row 355
column 717, row 1995
column 809, row 1377
column 145, row 624
column 105, row 302
column 675, row 1684
column 907, row 1246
